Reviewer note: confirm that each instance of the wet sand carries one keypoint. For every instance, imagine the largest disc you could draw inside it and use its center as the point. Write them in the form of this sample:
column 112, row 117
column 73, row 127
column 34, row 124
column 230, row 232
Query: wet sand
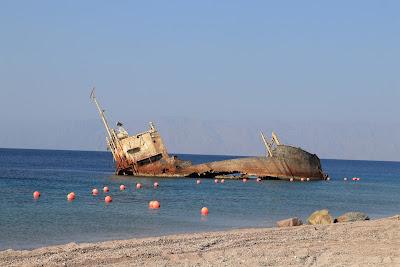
column 373, row 243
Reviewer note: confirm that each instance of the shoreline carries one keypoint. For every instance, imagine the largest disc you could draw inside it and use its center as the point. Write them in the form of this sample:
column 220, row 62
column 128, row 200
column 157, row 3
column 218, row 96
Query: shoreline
column 375, row 242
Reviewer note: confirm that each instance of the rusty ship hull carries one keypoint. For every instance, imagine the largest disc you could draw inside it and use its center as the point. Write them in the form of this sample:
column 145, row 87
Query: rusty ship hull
column 288, row 162
column 144, row 154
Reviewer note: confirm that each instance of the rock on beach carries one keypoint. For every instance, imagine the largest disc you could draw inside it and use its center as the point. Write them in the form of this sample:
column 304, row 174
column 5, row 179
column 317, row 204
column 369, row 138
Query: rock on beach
column 320, row 217
column 353, row 216
column 289, row 222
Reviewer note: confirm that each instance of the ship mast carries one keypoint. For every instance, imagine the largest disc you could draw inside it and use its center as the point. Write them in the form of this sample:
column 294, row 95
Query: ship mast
column 101, row 113
column 110, row 139
column 267, row 144
column 275, row 138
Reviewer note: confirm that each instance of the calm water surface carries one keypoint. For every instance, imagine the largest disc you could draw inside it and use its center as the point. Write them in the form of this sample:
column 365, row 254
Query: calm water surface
column 26, row 223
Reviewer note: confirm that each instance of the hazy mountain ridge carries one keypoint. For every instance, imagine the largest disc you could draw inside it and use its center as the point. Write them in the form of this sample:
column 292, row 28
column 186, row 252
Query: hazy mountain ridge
column 371, row 141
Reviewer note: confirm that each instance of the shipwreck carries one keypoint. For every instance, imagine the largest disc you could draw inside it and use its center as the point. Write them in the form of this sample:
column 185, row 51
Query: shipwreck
column 144, row 154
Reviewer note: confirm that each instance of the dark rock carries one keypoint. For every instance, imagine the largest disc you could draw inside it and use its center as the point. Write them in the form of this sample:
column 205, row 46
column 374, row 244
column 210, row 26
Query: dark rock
column 289, row 222
column 320, row 217
column 352, row 217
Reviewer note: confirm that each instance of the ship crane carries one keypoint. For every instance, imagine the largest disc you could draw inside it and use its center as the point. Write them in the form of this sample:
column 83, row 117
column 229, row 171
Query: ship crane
column 112, row 141
column 269, row 144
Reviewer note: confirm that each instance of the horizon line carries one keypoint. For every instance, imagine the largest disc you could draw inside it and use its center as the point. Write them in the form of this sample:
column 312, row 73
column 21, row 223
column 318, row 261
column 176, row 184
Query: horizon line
column 105, row 151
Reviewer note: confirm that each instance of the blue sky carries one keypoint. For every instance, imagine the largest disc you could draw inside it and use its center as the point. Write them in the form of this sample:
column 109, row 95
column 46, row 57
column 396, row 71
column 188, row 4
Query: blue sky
column 324, row 74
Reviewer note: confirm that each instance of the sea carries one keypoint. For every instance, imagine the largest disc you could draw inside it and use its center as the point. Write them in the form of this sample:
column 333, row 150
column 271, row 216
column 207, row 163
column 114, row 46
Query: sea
column 26, row 223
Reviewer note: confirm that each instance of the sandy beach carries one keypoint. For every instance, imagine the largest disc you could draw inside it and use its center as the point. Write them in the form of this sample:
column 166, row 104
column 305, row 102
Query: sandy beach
column 373, row 243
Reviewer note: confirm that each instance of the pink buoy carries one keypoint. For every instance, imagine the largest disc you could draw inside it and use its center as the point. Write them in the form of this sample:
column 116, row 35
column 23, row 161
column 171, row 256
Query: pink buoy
column 198, row 182
column 71, row 196
column 106, row 189
column 138, row 185
column 151, row 204
column 291, row 179
column 122, row 187
column 244, row 180
column 302, row 179
column 216, row 181
column 156, row 184
column 36, row 195
column 108, row 199
column 154, row 204
column 222, row 181
column 308, row 179
column 95, row 192
column 258, row 180
column 204, row 211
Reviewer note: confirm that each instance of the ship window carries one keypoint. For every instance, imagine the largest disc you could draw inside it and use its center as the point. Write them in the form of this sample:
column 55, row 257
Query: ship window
column 150, row 160
column 133, row 150
column 144, row 162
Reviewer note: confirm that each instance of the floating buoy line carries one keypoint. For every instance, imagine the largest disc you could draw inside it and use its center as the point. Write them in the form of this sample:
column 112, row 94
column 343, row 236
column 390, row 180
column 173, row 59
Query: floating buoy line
column 155, row 204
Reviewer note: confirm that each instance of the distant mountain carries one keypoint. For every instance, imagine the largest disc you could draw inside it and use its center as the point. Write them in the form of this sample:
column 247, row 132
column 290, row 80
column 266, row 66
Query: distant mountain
column 374, row 141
